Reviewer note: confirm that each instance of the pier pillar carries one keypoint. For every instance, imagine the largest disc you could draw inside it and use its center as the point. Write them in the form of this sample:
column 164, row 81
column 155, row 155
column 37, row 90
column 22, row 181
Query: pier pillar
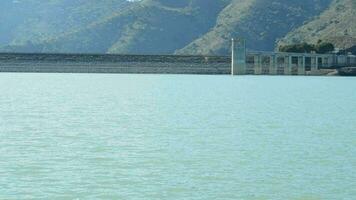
column 330, row 61
column 288, row 65
column 272, row 65
column 314, row 65
column 325, row 62
column 301, row 65
column 257, row 64
column 238, row 57
column 280, row 64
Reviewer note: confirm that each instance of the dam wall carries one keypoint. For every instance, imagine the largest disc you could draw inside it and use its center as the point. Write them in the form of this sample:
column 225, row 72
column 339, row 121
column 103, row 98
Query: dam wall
column 244, row 63
column 108, row 63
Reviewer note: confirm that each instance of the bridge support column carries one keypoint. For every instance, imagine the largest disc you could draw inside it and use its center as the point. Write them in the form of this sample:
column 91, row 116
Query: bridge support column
column 301, row 65
column 330, row 61
column 288, row 65
column 323, row 62
column 314, row 65
column 257, row 64
column 272, row 65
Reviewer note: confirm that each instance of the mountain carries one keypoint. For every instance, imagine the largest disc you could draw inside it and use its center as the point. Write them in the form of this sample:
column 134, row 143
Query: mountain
column 145, row 27
column 160, row 26
column 260, row 22
column 337, row 24
column 32, row 21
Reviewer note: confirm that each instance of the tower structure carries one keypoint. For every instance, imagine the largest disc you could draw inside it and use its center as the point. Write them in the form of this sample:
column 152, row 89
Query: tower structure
column 238, row 56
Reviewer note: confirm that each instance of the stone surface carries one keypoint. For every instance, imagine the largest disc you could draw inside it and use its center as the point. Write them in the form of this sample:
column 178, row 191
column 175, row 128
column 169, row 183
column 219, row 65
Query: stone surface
column 106, row 63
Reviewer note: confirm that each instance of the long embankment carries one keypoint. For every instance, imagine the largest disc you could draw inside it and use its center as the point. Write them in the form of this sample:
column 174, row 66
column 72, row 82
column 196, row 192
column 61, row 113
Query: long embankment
column 107, row 63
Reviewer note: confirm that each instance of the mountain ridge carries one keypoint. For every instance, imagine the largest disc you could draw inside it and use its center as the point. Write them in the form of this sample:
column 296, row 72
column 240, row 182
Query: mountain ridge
column 337, row 24
column 185, row 27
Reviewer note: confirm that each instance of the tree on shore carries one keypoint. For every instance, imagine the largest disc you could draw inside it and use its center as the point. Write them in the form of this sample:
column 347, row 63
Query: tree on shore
column 320, row 47
column 324, row 47
column 297, row 48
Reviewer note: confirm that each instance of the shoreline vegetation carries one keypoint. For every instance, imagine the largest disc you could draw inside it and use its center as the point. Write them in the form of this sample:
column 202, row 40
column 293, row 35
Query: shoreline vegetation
column 321, row 47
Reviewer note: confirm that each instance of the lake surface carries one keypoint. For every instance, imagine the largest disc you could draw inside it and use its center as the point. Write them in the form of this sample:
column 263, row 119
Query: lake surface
column 97, row 136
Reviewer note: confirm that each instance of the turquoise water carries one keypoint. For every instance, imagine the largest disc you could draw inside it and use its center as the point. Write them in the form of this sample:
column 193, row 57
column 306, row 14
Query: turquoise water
column 92, row 136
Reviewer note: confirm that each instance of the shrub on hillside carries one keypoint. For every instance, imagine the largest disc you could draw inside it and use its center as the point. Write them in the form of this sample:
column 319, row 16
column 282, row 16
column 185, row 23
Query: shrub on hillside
column 320, row 47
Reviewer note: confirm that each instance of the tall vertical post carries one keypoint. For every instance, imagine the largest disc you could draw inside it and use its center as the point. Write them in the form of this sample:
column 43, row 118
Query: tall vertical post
column 314, row 65
column 323, row 62
column 285, row 65
column 238, row 60
column 288, row 65
column 232, row 56
column 272, row 65
column 257, row 64
column 301, row 65
column 330, row 61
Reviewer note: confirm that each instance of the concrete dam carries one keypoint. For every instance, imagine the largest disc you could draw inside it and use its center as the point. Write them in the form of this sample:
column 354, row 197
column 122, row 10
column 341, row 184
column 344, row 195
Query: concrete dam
column 241, row 62
column 107, row 63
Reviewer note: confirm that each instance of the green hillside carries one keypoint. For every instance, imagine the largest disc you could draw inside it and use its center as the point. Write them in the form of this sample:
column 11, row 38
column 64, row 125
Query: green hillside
column 32, row 21
column 337, row 24
column 164, row 26
column 260, row 22
column 147, row 27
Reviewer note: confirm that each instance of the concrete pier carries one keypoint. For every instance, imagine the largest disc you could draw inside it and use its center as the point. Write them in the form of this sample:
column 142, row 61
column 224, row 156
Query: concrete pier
column 272, row 65
column 301, row 65
column 313, row 64
column 257, row 64
column 238, row 57
column 288, row 65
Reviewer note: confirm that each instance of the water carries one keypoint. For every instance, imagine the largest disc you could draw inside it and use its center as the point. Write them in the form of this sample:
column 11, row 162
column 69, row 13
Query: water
column 82, row 136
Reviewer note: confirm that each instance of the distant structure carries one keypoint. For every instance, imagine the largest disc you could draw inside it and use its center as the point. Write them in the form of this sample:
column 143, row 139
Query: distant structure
column 245, row 62
column 238, row 57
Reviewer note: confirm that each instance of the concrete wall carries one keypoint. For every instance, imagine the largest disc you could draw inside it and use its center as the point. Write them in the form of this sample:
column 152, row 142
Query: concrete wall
column 86, row 63
column 257, row 63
